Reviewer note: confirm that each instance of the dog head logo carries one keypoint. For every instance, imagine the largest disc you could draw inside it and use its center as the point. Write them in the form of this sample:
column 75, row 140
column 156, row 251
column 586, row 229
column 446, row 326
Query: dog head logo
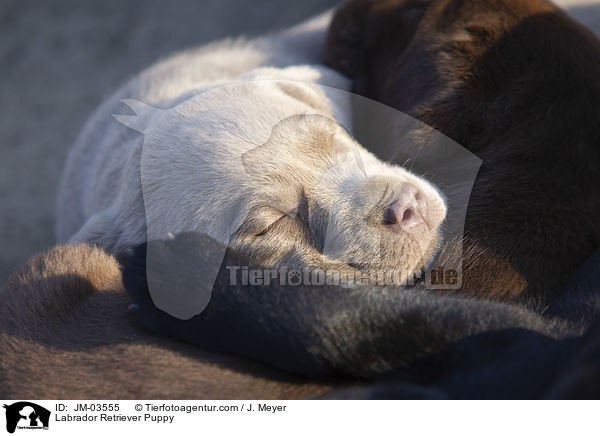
column 26, row 415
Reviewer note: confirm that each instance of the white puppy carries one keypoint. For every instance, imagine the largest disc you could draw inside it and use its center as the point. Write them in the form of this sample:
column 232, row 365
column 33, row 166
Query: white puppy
column 242, row 142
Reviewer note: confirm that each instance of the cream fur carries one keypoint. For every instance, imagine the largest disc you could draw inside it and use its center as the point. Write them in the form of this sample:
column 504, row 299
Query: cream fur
column 231, row 140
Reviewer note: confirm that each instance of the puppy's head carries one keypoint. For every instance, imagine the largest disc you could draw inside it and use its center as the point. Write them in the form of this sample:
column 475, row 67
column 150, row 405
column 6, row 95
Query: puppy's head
column 263, row 166
column 317, row 198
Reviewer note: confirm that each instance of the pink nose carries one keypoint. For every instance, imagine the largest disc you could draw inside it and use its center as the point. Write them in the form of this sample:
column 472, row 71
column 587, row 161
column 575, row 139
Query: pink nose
column 408, row 210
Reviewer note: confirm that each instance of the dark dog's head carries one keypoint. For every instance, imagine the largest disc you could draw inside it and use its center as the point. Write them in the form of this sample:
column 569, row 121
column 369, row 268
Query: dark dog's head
column 514, row 81
column 474, row 70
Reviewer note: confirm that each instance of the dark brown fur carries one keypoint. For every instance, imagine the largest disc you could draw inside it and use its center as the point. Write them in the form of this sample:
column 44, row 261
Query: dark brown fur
column 515, row 82
column 65, row 333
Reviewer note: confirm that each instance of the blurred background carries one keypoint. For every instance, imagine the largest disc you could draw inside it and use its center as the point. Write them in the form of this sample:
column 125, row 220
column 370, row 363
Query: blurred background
column 59, row 59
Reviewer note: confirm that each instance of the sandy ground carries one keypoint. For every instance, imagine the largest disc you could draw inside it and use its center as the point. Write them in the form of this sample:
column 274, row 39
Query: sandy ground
column 59, row 59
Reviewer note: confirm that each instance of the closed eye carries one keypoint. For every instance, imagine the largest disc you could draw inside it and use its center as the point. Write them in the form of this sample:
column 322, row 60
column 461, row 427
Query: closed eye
column 269, row 227
column 296, row 217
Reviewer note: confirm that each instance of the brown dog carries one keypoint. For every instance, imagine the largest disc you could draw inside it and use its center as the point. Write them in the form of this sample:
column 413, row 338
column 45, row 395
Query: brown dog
column 515, row 82
column 65, row 333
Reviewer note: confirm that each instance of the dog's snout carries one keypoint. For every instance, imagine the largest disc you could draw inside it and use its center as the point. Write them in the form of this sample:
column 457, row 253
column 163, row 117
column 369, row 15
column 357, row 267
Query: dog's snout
column 407, row 210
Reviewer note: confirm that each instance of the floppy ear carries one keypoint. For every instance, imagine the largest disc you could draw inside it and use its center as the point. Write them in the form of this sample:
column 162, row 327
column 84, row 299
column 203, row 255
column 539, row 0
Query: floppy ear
column 359, row 27
column 301, row 83
column 308, row 94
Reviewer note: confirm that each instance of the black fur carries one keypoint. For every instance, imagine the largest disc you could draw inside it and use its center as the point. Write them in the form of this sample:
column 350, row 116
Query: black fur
column 427, row 343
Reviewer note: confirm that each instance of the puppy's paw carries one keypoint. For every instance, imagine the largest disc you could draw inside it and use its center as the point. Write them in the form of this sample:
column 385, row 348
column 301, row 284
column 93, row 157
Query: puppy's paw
column 172, row 279
column 132, row 263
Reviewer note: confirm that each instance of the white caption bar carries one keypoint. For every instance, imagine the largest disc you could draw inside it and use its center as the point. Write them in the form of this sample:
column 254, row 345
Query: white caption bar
column 463, row 418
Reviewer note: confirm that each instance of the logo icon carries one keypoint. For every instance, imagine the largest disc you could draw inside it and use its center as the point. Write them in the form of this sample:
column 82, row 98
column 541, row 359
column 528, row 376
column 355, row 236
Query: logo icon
column 26, row 415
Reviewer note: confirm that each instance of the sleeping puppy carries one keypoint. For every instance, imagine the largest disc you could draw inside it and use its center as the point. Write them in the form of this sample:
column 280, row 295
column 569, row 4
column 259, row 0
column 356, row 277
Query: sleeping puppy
column 251, row 156
column 515, row 82
column 311, row 330
column 522, row 219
